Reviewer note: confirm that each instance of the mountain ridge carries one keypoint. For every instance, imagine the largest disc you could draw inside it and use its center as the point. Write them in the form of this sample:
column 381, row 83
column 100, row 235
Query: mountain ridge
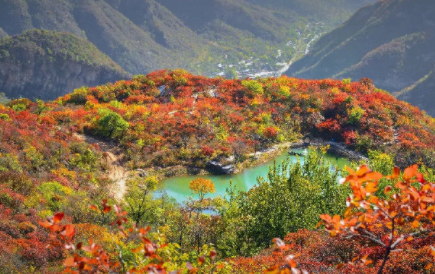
column 389, row 42
column 145, row 35
column 45, row 64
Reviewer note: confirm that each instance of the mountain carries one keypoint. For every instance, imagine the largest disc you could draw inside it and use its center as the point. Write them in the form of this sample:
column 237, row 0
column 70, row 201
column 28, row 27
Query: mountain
column 2, row 33
column 47, row 64
column 144, row 35
column 336, row 10
column 390, row 42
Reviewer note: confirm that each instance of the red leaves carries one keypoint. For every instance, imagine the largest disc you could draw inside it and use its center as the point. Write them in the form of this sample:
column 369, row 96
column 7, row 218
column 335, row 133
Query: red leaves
column 58, row 217
column 213, row 255
column 106, row 208
column 270, row 132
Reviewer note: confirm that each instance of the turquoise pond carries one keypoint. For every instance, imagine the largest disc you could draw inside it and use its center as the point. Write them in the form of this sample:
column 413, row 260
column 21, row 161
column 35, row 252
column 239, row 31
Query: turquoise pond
column 178, row 187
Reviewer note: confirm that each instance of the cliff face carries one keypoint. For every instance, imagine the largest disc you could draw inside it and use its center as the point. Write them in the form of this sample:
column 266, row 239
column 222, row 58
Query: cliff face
column 46, row 65
column 390, row 42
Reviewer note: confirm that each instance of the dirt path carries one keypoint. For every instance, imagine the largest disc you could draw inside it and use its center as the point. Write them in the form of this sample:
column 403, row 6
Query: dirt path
column 117, row 172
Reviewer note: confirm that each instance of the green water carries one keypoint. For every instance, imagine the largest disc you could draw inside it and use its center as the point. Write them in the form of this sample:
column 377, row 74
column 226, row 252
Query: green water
column 178, row 187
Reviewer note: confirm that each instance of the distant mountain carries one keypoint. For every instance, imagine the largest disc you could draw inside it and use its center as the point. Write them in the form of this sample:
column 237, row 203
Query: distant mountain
column 47, row 64
column 3, row 33
column 336, row 10
column 390, row 42
column 145, row 35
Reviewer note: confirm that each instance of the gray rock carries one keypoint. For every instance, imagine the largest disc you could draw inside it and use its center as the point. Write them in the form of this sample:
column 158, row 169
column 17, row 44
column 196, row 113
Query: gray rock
column 217, row 168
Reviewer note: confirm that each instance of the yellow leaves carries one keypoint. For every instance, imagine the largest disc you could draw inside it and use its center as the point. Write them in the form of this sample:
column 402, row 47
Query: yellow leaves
column 389, row 225
column 348, row 212
column 202, row 186
column 425, row 188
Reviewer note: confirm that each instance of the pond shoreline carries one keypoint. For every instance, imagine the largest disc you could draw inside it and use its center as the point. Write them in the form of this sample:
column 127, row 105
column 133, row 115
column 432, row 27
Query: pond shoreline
column 263, row 156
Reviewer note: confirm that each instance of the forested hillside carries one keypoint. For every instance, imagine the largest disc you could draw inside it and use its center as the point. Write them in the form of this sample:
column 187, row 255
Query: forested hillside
column 144, row 35
column 389, row 42
column 46, row 64
column 77, row 156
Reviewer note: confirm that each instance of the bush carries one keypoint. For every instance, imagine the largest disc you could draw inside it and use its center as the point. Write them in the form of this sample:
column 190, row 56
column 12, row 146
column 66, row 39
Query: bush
column 253, row 86
column 111, row 124
column 355, row 115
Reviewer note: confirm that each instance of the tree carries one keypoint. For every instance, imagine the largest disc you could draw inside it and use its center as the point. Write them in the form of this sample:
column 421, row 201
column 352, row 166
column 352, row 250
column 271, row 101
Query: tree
column 139, row 198
column 407, row 214
column 292, row 198
column 202, row 187
column 111, row 124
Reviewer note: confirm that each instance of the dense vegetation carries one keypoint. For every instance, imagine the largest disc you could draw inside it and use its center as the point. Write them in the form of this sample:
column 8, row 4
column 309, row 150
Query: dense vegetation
column 48, row 165
column 389, row 42
column 46, row 64
column 172, row 117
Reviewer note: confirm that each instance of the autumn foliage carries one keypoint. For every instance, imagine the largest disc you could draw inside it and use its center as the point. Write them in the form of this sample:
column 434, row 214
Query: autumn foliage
column 202, row 186
column 172, row 118
column 374, row 235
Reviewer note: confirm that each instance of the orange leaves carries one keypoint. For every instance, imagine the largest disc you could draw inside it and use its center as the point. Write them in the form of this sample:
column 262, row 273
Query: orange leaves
column 363, row 182
column 408, row 208
column 202, row 186
column 410, row 173
column 52, row 223
column 68, row 231
column 395, row 174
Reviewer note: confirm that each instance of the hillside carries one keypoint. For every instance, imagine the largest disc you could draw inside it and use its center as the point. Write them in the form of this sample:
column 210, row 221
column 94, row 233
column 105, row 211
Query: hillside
column 45, row 65
column 145, row 35
column 172, row 117
column 389, row 42
column 109, row 144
